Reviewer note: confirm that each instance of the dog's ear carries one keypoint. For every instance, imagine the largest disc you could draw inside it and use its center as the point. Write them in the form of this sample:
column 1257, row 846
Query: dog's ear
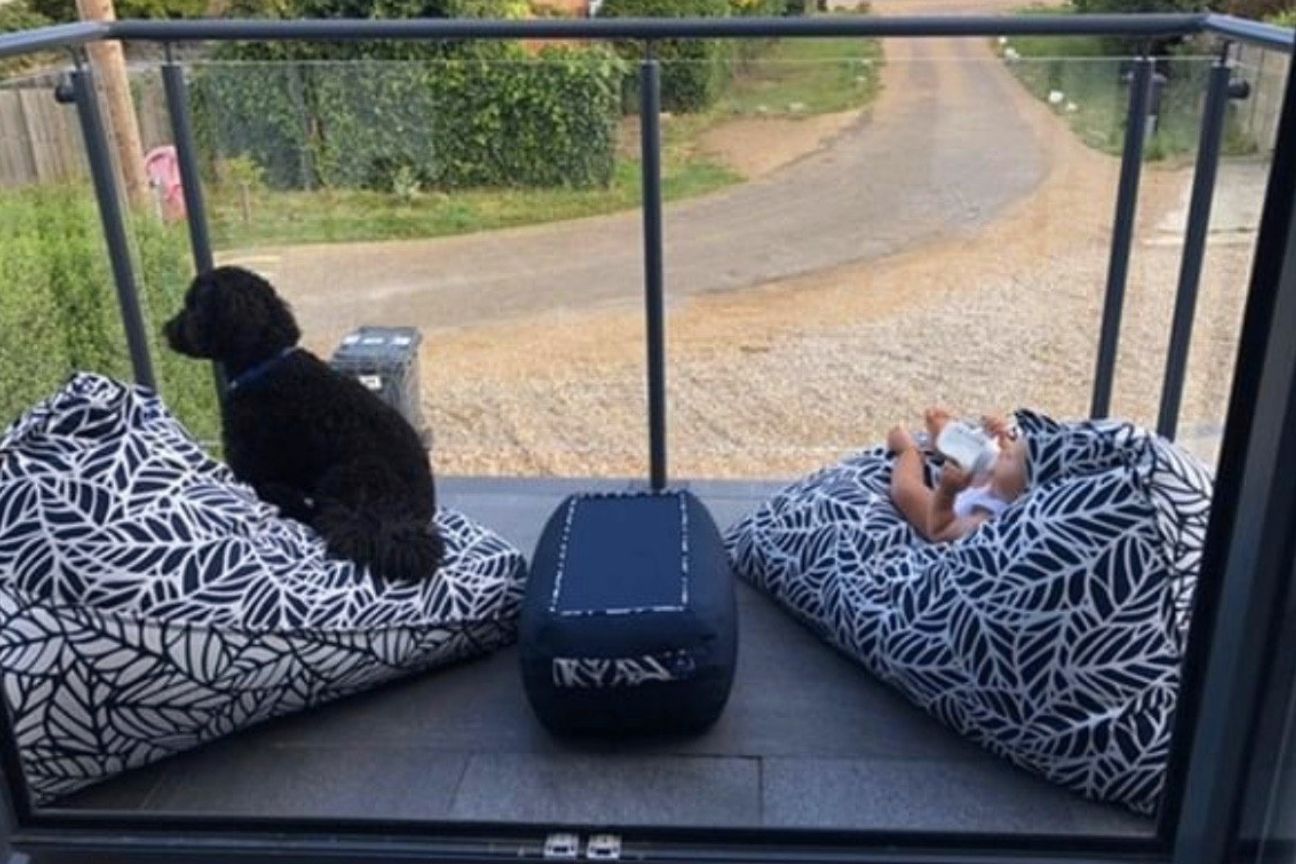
column 281, row 328
column 239, row 315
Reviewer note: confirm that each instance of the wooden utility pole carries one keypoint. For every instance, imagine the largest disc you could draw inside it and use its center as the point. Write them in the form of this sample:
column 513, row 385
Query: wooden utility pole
column 109, row 64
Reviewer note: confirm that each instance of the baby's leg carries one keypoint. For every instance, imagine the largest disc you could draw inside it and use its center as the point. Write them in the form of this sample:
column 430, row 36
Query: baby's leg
column 909, row 493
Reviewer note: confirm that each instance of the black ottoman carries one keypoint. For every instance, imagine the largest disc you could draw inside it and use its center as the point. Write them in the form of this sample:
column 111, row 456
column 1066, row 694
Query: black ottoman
column 629, row 623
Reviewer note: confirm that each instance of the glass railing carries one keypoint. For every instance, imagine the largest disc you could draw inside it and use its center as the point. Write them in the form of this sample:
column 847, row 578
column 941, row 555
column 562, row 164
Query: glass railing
column 855, row 229
column 851, row 233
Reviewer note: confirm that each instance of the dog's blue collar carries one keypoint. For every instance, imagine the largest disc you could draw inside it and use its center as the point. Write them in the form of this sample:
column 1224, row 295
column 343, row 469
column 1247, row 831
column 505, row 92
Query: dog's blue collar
column 259, row 370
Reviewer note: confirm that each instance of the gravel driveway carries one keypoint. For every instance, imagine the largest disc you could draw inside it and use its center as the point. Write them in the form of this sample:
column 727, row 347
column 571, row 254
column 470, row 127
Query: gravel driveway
column 949, row 248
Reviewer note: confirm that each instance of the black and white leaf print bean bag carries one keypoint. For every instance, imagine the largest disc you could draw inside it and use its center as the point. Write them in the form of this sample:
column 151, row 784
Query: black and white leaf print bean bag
column 150, row 602
column 1052, row 635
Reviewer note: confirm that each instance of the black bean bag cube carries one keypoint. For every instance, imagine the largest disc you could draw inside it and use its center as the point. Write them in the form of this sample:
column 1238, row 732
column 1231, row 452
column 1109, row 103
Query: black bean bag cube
column 628, row 624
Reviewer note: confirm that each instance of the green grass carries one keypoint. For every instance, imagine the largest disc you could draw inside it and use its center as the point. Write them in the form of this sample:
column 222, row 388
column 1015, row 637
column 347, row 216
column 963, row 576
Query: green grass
column 1088, row 71
column 815, row 76
column 347, row 215
column 818, row 76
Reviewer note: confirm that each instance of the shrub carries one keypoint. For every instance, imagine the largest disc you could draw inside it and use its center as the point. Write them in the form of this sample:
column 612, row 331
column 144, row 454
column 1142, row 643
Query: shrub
column 256, row 112
column 66, row 10
column 455, row 114
column 1133, row 6
column 367, row 50
column 19, row 15
column 762, row 8
column 59, row 311
column 1261, row 10
column 693, row 70
column 454, row 123
column 1126, row 45
column 746, row 50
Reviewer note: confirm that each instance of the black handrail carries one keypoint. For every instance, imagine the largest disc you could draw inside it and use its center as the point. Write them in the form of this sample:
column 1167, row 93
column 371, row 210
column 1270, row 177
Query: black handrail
column 1256, row 33
column 346, row 29
column 662, row 28
column 51, row 38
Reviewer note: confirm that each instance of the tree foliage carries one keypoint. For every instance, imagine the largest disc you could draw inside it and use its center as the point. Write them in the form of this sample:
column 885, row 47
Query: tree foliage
column 694, row 71
column 66, row 10
column 457, row 122
column 1108, row 7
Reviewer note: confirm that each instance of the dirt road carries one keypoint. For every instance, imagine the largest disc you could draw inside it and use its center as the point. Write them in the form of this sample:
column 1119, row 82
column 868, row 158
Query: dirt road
column 970, row 229
column 944, row 150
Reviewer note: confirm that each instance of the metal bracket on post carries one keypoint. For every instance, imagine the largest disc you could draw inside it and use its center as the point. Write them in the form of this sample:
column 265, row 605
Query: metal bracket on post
column 654, row 299
column 177, row 98
column 1122, row 233
column 1220, row 89
column 114, row 224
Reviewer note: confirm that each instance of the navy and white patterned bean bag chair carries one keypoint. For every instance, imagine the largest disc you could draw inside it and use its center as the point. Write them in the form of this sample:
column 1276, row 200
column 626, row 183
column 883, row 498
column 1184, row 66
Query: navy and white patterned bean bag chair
column 149, row 602
column 1052, row 635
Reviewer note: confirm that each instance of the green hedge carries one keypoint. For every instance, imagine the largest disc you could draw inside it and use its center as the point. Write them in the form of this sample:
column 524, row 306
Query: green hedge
column 66, row 10
column 18, row 15
column 464, row 121
column 694, row 71
column 405, row 49
column 767, row 8
column 59, row 312
column 1108, row 7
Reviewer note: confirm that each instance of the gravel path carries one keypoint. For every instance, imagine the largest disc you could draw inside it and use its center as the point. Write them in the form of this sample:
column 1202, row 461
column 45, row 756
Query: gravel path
column 950, row 248
column 775, row 381
column 778, row 379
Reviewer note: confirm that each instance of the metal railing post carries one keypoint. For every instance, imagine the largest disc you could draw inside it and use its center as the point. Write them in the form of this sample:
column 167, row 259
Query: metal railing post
column 1122, row 234
column 1190, row 268
column 1247, row 563
column 650, row 150
column 177, row 99
column 114, row 225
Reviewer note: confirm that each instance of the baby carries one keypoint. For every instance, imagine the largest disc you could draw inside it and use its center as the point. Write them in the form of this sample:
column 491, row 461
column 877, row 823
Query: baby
column 956, row 507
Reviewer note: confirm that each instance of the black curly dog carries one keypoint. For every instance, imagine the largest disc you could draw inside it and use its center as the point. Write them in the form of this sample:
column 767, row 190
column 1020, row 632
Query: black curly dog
column 315, row 443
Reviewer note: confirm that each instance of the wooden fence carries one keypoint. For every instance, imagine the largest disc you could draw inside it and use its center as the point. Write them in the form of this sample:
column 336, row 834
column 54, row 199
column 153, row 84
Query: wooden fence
column 40, row 140
column 1267, row 73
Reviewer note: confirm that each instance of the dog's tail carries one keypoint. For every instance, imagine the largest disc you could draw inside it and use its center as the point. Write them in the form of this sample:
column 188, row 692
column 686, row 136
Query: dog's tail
column 399, row 548
column 387, row 529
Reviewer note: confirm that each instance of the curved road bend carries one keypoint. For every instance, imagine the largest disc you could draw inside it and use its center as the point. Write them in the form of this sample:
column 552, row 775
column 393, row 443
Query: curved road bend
column 943, row 150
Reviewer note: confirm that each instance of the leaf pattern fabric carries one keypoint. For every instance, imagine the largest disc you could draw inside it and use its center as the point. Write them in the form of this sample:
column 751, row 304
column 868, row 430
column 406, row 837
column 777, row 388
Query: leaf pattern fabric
column 150, row 602
column 1052, row 635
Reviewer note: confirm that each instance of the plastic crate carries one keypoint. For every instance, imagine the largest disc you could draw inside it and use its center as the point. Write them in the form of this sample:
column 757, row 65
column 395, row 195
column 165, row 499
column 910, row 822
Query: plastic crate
column 385, row 359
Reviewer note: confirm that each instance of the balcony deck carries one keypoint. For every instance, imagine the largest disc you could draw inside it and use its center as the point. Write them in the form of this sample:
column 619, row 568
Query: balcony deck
column 808, row 740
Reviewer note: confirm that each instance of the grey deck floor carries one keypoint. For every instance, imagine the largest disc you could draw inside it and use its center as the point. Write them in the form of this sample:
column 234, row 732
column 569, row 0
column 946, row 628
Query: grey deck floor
column 808, row 740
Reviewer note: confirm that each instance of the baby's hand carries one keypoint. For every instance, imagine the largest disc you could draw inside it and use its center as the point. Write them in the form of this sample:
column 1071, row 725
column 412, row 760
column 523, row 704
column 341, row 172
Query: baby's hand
column 936, row 418
column 899, row 440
